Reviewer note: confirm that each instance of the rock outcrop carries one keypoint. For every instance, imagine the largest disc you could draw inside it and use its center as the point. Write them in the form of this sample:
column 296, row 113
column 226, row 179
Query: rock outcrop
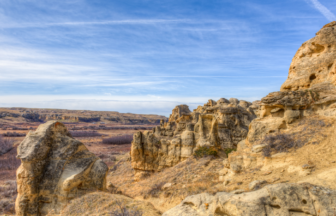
column 222, row 124
column 55, row 168
column 272, row 200
column 310, row 88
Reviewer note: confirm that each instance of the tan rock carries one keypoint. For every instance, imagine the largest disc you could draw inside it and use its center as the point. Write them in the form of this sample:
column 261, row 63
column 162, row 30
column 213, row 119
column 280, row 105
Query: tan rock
column 272, row 200
column 55, row 168
column 222, row 124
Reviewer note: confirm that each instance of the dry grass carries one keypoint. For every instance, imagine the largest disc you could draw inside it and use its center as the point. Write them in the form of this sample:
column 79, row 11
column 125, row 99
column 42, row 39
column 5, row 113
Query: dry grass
column 189, row 177
column 9, row 161
column 310, row 130
column 6, row 144
column 100, row 203
column 85, row 133
column 8, row 193
column 119, row 140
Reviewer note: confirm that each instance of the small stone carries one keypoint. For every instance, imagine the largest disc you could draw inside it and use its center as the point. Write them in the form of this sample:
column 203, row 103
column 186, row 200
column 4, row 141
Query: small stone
column 166, row 186
column 110, row 185
column 226, row 163
column 274, row 180
column 235, row 168
column 307, row 166
column 226, row 182
column 256, row 184
column 259, row 148
column 237, row 191
column 267, row 173
column 223, row 172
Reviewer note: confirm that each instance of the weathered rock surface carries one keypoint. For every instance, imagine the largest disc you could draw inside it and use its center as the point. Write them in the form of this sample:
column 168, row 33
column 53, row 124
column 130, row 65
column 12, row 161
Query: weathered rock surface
column 310, row 88
column 272, row 200
column 55, row 168
column 222, row 124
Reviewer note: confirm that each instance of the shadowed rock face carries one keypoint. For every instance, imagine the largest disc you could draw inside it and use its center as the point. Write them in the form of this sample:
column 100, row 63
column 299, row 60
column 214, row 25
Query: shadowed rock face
column 272, row 200
column 219, row 124
column 54, row 169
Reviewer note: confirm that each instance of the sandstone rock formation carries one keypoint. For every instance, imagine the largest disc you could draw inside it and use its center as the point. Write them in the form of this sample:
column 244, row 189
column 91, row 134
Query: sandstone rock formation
column 272, row 200
column 310, row 88
column 55, row 168
column 222, row 124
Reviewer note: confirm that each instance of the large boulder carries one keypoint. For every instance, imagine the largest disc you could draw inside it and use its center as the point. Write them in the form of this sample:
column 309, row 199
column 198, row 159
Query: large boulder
column 272, row 200
column 55, row 168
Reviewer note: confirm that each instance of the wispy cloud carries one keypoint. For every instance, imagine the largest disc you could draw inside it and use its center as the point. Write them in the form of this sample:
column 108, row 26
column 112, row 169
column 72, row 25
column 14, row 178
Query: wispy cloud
column 324, row 10
column 93, row 23
column 140, row 54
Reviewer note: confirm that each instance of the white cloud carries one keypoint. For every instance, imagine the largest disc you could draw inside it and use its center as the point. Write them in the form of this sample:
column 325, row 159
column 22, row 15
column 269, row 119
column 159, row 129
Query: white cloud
column 325, row 11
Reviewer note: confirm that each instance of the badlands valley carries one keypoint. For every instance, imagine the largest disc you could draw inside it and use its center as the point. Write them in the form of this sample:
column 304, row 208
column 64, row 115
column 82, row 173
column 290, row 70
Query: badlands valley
column 230, row 157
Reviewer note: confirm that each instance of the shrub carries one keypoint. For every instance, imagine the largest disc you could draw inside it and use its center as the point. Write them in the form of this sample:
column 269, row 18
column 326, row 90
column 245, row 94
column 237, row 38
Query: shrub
column 156, row 188
column 310, row 130
column 85, row 133
column 9, row 161
column 279, row 143
column 119, row 140
column 13, row 134
column 122, row 210
column 228, row 151
column 6, row 144
column 8, row 193
column 205, row 151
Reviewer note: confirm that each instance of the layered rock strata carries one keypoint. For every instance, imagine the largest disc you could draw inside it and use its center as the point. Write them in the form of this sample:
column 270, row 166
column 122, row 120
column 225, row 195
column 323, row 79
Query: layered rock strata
column 222, row 124
column 308, row 93
column 310, row 88
column 55, row 168
column 272, row 200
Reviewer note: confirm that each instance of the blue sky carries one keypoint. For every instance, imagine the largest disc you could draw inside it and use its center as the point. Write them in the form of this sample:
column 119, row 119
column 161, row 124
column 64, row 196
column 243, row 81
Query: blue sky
column 146, row 56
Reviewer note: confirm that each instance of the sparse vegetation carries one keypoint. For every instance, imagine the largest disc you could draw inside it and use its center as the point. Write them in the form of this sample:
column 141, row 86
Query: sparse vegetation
column 119, row 140
column 13, row 134
column 6, row 144
column 85, row 133
column 205, row 151
column 99, row 203
column 192, row 176
column 309, row 131
column 228, row 151
column 8, row 193
column 156, row 189
column 9, row 161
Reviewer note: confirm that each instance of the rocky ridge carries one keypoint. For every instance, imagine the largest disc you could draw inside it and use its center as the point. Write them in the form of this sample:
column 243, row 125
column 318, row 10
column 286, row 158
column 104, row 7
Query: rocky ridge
column 306, row 99
column 221, row 125
column 41, row 115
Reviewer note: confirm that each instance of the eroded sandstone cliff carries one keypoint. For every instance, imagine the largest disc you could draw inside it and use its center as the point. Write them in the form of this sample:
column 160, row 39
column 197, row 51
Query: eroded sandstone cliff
column 55, row 168
column 310, row 88
column 222, row 124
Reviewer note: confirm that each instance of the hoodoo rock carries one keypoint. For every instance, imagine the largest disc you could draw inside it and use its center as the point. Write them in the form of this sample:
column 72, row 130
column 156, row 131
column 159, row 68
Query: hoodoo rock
column 222, row 124
column 55, row 168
